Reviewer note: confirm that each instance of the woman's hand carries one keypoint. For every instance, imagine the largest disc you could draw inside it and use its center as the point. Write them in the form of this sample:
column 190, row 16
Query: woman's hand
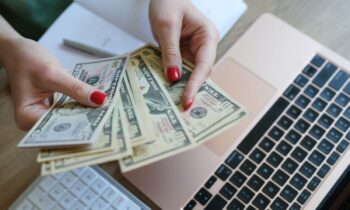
column 34, row 76
column 182, row 30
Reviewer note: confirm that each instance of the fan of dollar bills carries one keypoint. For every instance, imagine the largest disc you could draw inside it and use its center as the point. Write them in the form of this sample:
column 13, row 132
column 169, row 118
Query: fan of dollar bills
column 142, row 122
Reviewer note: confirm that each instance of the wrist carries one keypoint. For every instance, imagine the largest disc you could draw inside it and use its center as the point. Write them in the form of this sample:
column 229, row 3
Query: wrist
column 8, row 44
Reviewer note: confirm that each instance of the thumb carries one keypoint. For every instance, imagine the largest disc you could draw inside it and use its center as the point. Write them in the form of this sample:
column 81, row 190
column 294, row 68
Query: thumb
column 80, row 91
column 169, row 39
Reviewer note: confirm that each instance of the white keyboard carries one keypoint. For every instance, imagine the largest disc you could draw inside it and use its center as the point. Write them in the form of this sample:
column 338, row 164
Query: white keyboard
column 84, row 188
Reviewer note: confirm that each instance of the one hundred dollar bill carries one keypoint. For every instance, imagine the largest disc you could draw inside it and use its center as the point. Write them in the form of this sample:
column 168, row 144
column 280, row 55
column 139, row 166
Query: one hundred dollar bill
column 172, row 136
column 122, row 149
column 68, row 123
column 212, row 112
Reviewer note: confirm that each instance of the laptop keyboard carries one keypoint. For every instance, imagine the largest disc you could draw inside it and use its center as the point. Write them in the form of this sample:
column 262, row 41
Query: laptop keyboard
column 285, row 157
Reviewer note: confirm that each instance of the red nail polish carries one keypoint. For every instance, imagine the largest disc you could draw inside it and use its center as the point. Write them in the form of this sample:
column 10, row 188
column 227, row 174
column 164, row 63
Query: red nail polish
column 188, row 104
column 173, row 73
column 98, row 97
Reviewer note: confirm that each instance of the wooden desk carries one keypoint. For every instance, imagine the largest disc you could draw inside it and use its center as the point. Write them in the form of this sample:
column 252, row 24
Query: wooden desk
column 326, row 21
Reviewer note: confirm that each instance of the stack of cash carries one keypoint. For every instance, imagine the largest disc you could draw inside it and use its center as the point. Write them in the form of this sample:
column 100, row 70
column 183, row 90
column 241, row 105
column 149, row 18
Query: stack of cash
column 143, row 121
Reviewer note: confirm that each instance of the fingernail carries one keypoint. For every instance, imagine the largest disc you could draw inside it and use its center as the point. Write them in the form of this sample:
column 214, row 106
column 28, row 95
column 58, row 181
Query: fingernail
column 173, row 73
column 98, row 97
column 188, row 104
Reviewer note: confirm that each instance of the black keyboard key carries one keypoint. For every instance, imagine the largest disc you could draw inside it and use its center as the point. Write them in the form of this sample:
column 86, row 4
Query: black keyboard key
column 332, row 159
column 342, row 100
column 313, row 183
column 323, row 171
column 271, row 189
column 228, row 191
column 325, row 146
column 211, row 181
column 216, row 203
column 319, row 104
column 255, row 182
column 317, row 61
column 250, row 208
column 257, row 155
column 285, row 122
column 342, row 124
column 316, row 158
column 307, row 169
column 248, row 167
column 276, row 133
column 302, row 126
column 288, row 193
column 311, row 91
column 291, row 92
column 245, row 194
column 343, row 145
column 327, row 94
column 266, row 144
column 262, row 126
column 284, row 148
column 261, row 202
column 280, row 177
column 294, row 112
column 234, row 159
column 265, row 171
column 347, row 113
column 190, row 205
column 299, row 154
column 309, row 71
column 238, row 179
column 203, row 196
column 274, row 159
column 310, row 115
column 302, row 101
column 324, row 75
column 301, row 80
column 298, row 181
column 295, row 206
column 334, row 110
column 334, row 135
column 325, row 121
column 290, row 165
column 293, row 136
column 223, row 172
column 279, row 204
column 308, row 143
column 304, row 195
column 347, row 88
column 235, row 205
column 317, row 132
column 339, row 80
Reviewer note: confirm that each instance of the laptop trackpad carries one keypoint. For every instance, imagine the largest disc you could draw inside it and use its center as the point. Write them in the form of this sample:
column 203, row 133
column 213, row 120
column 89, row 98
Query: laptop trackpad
column 248, row 89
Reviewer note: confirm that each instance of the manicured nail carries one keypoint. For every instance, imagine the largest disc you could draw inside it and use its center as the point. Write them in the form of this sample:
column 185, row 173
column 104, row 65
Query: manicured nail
column 188, row 104
column 173, row 73
column 98, row 97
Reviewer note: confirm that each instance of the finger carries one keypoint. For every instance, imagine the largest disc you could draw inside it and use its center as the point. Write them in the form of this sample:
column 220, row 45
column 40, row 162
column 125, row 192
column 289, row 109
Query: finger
column 204, row 61
column 80, row 91
column 169, row 40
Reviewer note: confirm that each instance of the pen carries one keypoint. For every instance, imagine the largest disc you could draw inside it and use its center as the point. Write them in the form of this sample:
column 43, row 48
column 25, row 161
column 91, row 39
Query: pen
column 87, row 48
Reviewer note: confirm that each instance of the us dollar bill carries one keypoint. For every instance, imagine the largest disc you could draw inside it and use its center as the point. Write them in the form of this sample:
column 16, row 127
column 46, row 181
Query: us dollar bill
column 122, row 149
column 172, row 136
column 69, row 123
column 212, row 112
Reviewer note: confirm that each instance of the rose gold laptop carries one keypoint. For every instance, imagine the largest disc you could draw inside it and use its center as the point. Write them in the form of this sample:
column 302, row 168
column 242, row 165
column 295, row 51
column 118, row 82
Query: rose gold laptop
column 292, row 149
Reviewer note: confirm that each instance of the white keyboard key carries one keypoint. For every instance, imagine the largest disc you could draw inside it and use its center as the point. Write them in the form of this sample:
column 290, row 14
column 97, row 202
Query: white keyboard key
column 99, row 204
column 57, row 207
column 68, row 179
column 79, row 171
column 58, row 175
column 88, row 197
column 89, row 176
column 99, row 185
column 57, row 191
column 122, row 202
column 47, row 183
column 78, row 206
column 110, row 208
column 25, row 205
column 67, row 200
column 78, row 188
column 40, row 199
column 110, row 194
